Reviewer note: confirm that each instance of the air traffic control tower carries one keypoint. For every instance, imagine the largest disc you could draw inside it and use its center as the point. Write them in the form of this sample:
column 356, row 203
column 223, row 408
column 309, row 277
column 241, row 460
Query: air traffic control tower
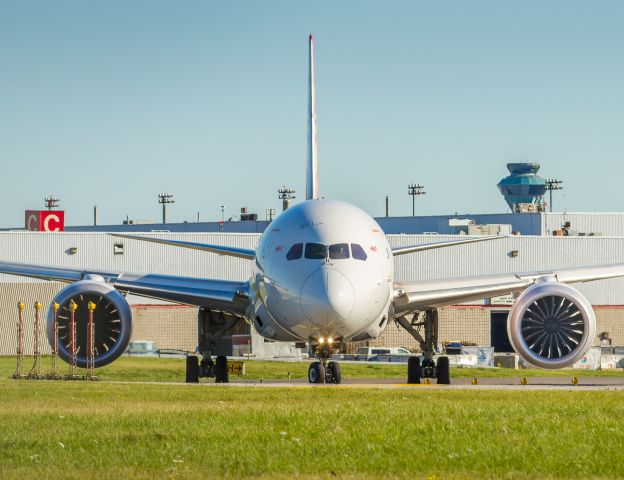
column 523, row 189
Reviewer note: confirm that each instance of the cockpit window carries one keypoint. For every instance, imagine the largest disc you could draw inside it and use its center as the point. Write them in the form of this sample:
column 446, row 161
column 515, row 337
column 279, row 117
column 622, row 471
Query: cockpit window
column 358, row 252
column 295, row 252
column 338, row 251
column 315, row 251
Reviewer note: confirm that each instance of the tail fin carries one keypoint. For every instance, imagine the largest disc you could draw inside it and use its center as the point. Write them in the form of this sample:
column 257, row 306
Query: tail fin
column 312, row 170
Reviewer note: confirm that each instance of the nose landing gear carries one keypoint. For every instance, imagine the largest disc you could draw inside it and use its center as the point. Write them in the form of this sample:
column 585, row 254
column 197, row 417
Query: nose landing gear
column 324, row 370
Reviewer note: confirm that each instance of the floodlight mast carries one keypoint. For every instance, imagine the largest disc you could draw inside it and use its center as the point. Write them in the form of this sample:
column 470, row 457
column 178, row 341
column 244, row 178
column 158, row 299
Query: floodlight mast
column 286, row 194
column 414, row 189
column 51, row 202
column 553, row 184
column 165, row 199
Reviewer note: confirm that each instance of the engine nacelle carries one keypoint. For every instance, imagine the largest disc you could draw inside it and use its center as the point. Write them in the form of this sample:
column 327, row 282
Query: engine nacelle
column 112, row 320
column 551, row 325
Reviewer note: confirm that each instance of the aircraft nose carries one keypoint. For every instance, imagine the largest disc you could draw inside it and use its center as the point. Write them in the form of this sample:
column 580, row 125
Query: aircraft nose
column 326, row 295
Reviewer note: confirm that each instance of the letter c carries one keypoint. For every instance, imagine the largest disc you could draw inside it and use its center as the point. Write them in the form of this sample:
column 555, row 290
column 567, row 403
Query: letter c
column 32, row 223
column 46, row 223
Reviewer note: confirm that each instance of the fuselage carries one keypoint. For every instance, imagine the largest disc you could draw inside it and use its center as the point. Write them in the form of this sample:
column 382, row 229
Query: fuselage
column 324, row 269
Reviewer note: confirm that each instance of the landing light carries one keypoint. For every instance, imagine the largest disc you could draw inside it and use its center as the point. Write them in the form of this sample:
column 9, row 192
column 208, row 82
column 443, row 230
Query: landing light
column 321, row 340
column 330, row 340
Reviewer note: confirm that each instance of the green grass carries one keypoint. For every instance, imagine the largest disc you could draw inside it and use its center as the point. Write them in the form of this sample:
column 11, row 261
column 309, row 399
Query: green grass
column 172, row 370
column 79, row 430
column 66, row 430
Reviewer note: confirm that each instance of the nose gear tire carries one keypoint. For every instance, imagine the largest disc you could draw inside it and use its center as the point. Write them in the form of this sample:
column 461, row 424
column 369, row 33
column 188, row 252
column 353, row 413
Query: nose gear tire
column 333, row 372
column 316, row 373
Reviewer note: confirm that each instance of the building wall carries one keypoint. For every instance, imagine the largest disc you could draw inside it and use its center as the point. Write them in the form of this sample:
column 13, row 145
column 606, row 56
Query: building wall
column 169, row 326
column 526, row 224
column 472, row 324
column 610, row 224
column 463, row 324
column 95, row 251
column 543, row 223
column 28, row 293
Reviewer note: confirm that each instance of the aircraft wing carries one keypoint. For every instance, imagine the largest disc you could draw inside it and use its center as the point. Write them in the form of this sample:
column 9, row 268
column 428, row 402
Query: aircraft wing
column 432, row 246
column 224, row 295
column 244, row 253
column 427, row 294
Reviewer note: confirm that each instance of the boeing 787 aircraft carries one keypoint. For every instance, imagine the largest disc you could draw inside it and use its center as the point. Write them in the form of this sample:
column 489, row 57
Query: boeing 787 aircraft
column 323, row 273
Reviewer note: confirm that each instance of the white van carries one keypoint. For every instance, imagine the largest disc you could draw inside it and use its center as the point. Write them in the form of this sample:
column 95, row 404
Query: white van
column 371, row 351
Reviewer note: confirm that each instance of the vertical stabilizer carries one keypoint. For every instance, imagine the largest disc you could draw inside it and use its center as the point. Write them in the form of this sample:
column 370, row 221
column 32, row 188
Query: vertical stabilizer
column 312, row 170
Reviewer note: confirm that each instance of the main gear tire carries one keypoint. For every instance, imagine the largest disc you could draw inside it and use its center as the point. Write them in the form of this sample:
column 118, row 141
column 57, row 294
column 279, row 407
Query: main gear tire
column 414, row 370
column 192, row 369
column 443, row 371
column 221, row 370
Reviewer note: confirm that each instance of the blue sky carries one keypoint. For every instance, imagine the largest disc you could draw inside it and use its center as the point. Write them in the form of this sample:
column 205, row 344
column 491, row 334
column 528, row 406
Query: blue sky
column 111, row 102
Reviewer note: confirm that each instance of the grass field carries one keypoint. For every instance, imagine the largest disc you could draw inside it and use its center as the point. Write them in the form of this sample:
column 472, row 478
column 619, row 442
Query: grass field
column 172, row 370
column 67, row 430
column 54, row 430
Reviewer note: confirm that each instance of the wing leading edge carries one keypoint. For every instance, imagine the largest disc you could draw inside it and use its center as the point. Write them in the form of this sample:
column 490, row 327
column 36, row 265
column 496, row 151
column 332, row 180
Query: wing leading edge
column 432, row 246
column 428, row 294
column 244, row 253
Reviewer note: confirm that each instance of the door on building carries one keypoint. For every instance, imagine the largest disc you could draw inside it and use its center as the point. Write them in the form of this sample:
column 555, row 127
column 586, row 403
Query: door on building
column 498, row 332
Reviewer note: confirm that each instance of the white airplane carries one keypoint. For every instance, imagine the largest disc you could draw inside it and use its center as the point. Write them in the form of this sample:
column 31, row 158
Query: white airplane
column 323, row 273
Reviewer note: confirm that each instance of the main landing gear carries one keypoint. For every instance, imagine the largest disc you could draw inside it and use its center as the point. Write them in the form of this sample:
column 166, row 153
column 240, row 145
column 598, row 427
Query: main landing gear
column 207, row 368
column 211, row 327
column 429, row 368
column 324, row 370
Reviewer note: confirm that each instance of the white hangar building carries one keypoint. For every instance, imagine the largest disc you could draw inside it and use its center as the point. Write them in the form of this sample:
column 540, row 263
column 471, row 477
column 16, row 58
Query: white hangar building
column 175, row 326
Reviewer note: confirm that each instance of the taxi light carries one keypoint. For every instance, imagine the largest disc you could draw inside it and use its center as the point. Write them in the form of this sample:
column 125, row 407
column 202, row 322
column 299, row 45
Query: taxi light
column 321, row 340
column 330, row 340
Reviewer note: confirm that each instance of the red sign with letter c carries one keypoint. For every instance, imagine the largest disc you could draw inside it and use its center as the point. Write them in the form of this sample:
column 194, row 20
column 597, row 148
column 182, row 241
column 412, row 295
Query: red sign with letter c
column 45, row 220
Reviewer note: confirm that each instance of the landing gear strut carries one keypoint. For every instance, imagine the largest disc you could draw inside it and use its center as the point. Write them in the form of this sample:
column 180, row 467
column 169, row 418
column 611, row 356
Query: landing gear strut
column 211, row 327
column 324, row 370
column 428, row 368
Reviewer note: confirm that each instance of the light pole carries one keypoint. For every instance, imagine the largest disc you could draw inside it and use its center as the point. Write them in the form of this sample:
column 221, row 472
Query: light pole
column 165, row 199
column 553, row 184
column 51, row 202
column 413, row 190
column 285, row 194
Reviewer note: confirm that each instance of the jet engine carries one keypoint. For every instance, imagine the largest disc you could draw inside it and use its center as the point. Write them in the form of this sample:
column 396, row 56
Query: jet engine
column 551, row 325
column 112, row 321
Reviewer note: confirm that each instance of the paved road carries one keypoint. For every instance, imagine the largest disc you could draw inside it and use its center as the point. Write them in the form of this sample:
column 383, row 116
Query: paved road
column 538, row 383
